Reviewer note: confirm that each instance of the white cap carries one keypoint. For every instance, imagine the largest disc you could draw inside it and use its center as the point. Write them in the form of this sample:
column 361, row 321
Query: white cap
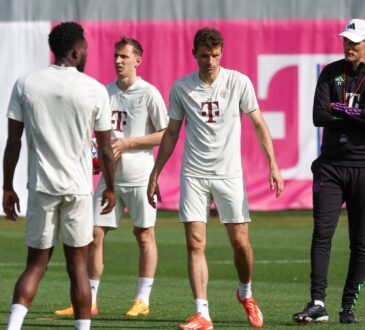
column 354, row 30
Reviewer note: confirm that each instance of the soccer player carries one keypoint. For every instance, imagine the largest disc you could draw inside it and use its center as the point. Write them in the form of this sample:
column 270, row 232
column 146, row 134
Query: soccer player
column 339, row 174
column 212, row 101
column 139, row 119
column 59, row 108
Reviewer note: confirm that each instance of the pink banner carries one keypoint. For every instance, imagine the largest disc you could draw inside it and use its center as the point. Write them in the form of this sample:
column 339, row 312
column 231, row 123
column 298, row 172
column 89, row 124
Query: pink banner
column 281, row 57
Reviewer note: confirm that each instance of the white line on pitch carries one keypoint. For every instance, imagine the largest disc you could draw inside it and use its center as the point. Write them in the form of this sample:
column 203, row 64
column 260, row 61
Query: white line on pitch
column 298, row 261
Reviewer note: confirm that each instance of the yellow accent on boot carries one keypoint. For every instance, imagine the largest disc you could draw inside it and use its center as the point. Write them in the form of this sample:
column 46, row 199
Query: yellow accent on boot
column 138, row 308
column 69, row 311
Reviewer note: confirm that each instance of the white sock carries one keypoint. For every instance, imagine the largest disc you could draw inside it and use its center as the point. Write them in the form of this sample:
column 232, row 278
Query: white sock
column 319, row 302
column 144, row 289
column 245, row 290
column 16, row 317
column 202, row 307
column 94, row 285
column 82, row 324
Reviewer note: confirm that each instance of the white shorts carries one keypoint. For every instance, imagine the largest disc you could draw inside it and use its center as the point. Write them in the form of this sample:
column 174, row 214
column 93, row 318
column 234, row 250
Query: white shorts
column 49, row 217
column 229, row 197
column 143, row 215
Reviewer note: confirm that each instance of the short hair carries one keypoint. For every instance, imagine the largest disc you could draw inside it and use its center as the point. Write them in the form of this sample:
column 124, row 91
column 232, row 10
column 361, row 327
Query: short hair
column 208, row 37
column 137, row 48
column 64, row 36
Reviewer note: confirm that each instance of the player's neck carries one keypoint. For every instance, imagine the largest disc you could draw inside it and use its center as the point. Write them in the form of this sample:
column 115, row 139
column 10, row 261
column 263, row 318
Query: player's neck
column 208, row 78
column 355, row 65
column 125, row 82
column 63, row 62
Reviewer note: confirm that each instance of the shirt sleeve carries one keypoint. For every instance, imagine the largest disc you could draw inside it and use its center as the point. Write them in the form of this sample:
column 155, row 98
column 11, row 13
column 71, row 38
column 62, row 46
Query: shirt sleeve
column 103, row 111
column 248, row 100
column 15, row 108
column 157, row 110
column 176, row 110
column 322, row 117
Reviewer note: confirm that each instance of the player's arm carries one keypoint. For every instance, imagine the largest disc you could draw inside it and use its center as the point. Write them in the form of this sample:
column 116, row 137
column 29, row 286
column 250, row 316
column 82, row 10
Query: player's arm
column 263, row 135
column 106, row 158
column 167, row 146
column 11, row 157
column 121, row 145
column 354, row 115
column 322, row 104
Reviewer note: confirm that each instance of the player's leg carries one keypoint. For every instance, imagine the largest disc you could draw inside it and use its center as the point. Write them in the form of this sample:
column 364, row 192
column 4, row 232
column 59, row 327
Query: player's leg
column 76, row 259
column 242, row 255
column 195, row 199
column 96, row 264
column 143, row 216
column 195, row 234
column 146, row 271
column 327, row 202
column 243, row 260
column 147, row 251
column 230, row 199
column 41, row 234
column 355, row 202
column 102, row 224
column 76, row 227
column 27, row 285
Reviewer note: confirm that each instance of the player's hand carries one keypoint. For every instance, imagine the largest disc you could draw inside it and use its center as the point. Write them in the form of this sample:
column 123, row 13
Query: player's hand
column 119, row 145
column 340, row 109
column 11, row 204
column 152, row 190
column 107, row 196
column 276, row 181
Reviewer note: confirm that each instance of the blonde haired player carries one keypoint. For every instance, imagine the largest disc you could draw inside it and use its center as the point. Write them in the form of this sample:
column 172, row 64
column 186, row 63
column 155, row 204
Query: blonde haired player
column 139, row 119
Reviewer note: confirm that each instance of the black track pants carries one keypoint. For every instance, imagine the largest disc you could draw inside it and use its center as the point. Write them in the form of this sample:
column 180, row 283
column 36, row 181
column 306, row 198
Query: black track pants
column 332, row 186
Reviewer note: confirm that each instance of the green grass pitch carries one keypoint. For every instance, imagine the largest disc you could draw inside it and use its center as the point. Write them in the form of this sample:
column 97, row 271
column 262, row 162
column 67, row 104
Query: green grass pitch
column 281, row 242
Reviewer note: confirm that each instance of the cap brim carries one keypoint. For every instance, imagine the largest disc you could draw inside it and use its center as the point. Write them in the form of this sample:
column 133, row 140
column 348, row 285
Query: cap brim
column 352, row 36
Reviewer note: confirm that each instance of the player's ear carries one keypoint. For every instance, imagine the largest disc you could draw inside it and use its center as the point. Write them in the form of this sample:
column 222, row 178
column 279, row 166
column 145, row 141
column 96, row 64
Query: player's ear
column 76, row 50
column 193, row 51
column 74, row 54
column 138, row 61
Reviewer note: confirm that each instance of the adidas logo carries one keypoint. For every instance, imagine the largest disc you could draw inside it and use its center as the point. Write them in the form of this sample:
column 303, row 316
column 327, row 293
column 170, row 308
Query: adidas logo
column 339, row 80
column 351, row 26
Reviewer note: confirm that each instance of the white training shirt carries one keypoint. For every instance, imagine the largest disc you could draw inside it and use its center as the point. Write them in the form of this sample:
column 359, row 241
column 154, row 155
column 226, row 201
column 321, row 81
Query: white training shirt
column 60, row 107
column 138, row 111
column 213, row 122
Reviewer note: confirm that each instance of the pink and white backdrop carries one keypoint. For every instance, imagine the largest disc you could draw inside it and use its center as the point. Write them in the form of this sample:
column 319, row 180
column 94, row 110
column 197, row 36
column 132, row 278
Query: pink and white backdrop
column 282, row 58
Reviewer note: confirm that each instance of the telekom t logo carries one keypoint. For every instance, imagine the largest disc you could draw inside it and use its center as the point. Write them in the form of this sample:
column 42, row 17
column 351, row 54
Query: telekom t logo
column 212, row 109
column 268, row 66
column 119, row 119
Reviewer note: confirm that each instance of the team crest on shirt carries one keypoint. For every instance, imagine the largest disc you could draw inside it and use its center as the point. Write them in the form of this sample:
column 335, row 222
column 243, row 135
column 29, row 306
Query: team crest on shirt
column 224, row 93
column 136, row 102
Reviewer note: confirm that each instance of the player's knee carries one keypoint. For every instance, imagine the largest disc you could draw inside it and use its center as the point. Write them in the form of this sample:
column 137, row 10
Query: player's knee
column 196, row 244
column 98, row 235
column 144, row 236
column 37, row 269
column 242, row 246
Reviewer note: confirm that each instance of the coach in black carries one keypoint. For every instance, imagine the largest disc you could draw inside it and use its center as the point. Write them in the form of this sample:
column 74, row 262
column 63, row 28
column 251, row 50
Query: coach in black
column 339, row 173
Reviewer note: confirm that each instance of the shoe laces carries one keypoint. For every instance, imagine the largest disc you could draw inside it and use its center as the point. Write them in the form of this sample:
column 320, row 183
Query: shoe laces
column 194, row 318
column 251, row 306
column 349, row 311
